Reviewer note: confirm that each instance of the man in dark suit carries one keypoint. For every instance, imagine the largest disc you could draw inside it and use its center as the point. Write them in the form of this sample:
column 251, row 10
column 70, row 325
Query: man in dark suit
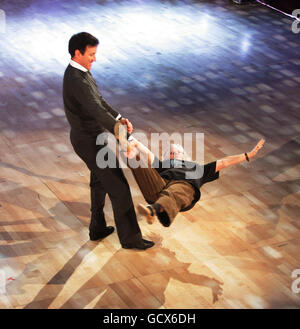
column 89, row 115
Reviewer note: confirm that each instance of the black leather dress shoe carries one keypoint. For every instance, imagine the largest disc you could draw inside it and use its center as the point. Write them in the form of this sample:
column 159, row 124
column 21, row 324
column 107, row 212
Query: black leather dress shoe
column 101, row 235
column 141, row 244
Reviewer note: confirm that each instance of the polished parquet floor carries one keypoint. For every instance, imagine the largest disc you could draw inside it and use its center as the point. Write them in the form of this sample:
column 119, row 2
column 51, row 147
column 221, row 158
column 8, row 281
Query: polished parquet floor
column 231, row 72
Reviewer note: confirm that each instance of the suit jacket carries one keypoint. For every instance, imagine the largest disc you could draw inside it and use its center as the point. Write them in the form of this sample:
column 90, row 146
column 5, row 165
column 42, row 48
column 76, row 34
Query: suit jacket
column 87, row 112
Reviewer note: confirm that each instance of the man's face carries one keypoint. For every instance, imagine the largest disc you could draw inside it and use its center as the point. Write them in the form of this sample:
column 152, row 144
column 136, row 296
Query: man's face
column 87, row 59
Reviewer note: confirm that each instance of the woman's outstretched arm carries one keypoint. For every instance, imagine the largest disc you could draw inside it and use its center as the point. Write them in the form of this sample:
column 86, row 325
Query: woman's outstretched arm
column 235, row 159
column 137, row 148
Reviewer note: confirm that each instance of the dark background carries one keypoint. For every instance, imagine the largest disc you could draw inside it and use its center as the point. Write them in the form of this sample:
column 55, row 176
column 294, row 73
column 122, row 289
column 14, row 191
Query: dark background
column 285, row 5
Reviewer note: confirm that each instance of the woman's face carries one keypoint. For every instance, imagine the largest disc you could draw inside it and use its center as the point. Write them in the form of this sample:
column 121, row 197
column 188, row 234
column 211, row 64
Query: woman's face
column 176, row 152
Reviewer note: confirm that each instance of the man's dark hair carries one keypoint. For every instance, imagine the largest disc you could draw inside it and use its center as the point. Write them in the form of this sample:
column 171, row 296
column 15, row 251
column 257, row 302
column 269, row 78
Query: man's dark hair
column 80, row 41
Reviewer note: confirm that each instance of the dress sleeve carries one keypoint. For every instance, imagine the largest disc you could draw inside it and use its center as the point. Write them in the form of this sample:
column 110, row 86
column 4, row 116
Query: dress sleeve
column 210, row 173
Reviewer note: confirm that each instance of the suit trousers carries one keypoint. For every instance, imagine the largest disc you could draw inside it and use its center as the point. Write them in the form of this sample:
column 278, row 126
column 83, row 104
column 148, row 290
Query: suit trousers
column 111, row 181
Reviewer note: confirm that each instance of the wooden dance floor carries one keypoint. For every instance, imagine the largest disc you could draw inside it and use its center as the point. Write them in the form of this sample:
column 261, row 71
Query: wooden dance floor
column 231, row 72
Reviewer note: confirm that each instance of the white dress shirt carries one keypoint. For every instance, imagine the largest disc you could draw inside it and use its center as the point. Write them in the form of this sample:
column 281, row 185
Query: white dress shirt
column 78, row 66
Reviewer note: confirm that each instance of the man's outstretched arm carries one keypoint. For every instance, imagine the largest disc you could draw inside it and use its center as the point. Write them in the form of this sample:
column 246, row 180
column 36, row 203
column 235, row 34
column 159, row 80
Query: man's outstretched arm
column 235, row 159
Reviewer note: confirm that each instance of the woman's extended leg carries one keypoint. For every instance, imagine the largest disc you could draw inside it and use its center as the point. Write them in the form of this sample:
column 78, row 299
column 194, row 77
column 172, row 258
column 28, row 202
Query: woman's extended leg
column 176, row 196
